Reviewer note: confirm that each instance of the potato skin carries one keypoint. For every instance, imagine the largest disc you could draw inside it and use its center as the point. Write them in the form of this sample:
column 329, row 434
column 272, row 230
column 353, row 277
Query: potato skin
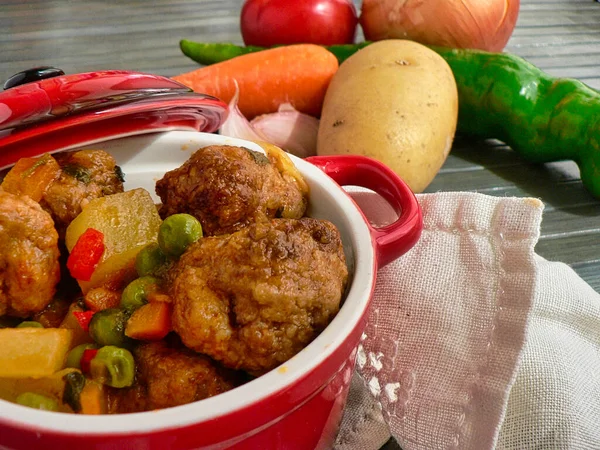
column 395, row 101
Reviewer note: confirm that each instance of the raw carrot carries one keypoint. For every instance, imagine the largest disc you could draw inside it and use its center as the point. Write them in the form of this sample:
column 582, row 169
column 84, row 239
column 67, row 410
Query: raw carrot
column 31, row 176
column 297, row 74
column 150, row 322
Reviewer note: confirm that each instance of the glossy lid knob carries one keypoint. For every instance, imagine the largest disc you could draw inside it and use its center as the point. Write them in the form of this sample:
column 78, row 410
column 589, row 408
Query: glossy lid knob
column 35, row 74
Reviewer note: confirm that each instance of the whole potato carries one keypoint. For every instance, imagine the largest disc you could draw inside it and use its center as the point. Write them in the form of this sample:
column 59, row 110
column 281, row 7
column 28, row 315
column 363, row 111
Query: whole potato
column 395, row 101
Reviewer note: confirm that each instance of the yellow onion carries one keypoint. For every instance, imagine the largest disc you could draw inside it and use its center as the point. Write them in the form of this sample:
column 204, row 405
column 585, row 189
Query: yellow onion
column 479, row 24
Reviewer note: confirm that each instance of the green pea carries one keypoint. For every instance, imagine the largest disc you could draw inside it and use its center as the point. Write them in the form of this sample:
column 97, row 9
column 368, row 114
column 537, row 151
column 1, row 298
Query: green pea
column 150, row 260
column 37, row 401
column 177, row 232
column 74, row 356
column 107, row 327
column 30, row 324
column 136, row 292
column 113, row 366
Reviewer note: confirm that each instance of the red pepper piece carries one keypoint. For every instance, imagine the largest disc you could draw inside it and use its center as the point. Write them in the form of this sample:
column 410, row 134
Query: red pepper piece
column 86, row 359
column 84, row 317
column 86, row 254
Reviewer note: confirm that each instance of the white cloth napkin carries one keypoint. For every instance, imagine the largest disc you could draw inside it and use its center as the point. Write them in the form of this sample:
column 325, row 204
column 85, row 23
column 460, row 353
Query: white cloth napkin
column 474, row 341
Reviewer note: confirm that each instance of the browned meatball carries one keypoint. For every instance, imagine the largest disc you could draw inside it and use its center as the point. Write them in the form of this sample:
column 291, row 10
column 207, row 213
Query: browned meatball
column 29, row 266
column 255, row 298
column 227, row 187
column 85, row 175
column 168, row 375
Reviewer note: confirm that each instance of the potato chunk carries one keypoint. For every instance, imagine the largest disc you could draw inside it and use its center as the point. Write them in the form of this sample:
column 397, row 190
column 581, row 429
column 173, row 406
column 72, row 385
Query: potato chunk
column 129, row 221
column 33, row 352
column 52, row 386
column 31, row 176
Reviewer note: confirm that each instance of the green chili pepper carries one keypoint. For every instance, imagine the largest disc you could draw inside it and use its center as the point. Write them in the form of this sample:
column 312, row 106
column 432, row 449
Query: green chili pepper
column 502, row 96
column 113, row 366
column 37, row 401
column 344, row 51
column 207, row 53
column 214, row 52
column 543, row 118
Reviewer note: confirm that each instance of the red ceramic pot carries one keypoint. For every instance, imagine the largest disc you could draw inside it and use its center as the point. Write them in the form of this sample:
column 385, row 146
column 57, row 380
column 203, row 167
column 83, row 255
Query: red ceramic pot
column 298, row 405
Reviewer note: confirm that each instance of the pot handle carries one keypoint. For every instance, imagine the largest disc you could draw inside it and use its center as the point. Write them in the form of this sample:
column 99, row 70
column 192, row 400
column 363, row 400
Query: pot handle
column 395, row 239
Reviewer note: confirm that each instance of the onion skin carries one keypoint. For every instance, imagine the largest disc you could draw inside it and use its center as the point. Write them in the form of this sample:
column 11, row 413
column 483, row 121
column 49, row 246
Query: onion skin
column 289, row 129
column 476, row 24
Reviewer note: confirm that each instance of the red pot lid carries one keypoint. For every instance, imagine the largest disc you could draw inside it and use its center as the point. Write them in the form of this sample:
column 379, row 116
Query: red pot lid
column 66, row 111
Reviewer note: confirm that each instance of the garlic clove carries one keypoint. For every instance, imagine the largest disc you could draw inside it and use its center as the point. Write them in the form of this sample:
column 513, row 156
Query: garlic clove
column 288, row 128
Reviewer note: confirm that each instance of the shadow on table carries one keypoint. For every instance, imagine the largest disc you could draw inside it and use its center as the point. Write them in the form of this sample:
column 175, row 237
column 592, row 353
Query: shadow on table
column 493, row 168
column 391, row 445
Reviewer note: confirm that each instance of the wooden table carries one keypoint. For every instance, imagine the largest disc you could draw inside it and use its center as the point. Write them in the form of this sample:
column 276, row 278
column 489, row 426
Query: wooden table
column 560, row 36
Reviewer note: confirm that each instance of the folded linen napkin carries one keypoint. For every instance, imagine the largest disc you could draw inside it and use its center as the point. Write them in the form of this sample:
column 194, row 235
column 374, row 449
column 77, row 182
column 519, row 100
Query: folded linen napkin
column 474, row 341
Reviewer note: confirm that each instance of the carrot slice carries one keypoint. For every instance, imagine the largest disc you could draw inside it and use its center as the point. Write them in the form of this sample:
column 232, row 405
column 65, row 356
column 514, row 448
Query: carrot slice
column 31, row 176
column 150, row 322
column 93, row 398
column 297, row 74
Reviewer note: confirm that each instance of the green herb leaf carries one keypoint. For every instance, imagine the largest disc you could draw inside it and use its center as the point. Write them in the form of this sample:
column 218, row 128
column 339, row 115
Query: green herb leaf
column 74, row 384
column 80, row 173
column 258, row 157
column 119, row 174
column 40, row 162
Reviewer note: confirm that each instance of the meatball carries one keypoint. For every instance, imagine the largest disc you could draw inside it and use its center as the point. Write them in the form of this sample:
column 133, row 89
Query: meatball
column 255, row 298
column 29, row 256
column 227, row 187
column 85, row 175
column 170, row 375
